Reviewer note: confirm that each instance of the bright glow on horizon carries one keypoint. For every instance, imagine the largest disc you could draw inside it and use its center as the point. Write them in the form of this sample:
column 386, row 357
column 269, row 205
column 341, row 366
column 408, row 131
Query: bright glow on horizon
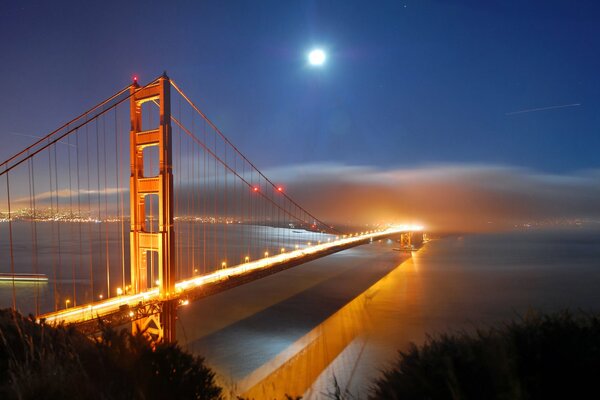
column 317, row 57
column 105, row 307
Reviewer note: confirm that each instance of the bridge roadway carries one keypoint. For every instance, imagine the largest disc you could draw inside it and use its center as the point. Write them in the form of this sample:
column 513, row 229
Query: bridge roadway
column 130, row 307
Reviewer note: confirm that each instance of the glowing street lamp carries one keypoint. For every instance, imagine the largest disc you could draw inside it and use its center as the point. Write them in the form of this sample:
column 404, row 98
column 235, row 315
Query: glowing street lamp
column 119, row 291
column 266, row 254
column 67, row 301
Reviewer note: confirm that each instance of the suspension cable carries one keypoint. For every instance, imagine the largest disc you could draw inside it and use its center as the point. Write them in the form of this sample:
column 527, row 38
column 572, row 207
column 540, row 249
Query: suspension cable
column 217, row 130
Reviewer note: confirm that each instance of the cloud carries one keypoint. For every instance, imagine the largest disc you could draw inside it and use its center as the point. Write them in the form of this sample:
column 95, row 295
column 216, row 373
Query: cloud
column 69, row 194
column 447, row 197
column 465, row 197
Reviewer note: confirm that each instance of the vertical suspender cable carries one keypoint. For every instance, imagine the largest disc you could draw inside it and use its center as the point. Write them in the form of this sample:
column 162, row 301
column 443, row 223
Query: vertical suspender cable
column 53, row 235
column 80, row 217
column 120, row 211
column 204, row 200
column 34, row 251
column 105, row 221
column 10, row 244
column 98, row 221
column 89, row 196
column 71, row 223
column 59, row 265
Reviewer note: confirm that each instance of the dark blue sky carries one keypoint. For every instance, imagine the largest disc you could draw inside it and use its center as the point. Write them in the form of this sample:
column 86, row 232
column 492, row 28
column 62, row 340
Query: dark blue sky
column 406, row 83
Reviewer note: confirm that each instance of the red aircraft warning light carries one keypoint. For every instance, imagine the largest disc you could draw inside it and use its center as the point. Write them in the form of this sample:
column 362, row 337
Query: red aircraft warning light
column 280, row 189
column 255, row 189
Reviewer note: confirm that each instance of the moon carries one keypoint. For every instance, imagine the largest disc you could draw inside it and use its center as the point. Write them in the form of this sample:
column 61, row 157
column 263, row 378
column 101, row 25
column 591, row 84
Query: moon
column 317, row 57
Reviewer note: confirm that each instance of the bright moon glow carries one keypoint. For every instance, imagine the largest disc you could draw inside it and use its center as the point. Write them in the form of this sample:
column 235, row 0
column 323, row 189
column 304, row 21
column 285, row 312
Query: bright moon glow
column 317, row 57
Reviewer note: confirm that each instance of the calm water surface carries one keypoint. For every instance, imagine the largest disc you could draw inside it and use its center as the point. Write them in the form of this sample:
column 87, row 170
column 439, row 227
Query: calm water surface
column 344, row 315
column 347, row 314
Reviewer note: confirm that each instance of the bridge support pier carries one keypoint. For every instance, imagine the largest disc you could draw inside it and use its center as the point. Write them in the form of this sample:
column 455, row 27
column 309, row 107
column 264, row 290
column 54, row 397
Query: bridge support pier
column 146, row 244
column 411, row 240
column 160, row 326
column 405, row 240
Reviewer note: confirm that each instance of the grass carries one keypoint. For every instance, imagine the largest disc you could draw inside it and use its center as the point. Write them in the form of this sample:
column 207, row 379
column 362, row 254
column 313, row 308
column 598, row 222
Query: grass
column 39, row 362
column 534, row 357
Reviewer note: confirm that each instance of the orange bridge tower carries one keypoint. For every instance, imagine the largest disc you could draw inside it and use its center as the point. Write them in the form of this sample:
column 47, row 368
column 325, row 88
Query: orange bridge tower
column 145, row 243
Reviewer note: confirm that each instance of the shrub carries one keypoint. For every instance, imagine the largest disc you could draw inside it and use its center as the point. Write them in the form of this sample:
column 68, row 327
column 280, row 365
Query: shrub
column 535, row 357
column 38, row 361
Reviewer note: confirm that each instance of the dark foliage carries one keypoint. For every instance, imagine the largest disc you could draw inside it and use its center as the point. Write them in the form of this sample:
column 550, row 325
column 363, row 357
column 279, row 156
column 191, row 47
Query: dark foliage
column 535, row 357
column 42, row 362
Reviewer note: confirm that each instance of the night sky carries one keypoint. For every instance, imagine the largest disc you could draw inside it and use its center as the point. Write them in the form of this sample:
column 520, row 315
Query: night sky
column 407, row 84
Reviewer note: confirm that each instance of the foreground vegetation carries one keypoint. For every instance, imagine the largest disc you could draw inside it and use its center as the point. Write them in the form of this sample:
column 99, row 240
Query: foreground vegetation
column 42, row 362
column 537, row 357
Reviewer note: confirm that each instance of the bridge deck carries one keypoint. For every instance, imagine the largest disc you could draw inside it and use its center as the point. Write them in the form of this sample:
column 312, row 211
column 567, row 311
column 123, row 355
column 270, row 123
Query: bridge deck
column 127, row 308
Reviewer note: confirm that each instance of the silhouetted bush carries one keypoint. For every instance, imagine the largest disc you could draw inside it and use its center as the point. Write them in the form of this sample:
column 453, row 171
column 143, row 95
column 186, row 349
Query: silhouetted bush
column 536, row 357
column 42, row 362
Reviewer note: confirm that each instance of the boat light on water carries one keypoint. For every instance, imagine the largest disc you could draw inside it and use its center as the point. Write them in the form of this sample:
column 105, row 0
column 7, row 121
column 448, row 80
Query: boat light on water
column 18, row 277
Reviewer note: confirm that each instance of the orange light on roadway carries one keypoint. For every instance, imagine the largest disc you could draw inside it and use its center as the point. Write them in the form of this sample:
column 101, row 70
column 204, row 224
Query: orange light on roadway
column 119, row 291
column 283, row 250
column 246, row 258
column 67, row 301
column 111, row 305
column 266, row 254
column 223, row 264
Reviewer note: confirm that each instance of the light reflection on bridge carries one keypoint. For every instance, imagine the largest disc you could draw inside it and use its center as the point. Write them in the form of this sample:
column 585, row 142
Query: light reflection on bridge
column 128, row 302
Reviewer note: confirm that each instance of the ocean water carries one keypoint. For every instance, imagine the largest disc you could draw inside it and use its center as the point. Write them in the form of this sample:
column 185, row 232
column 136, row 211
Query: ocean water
column 346, row 315
column 86, row 261
column 343, row 316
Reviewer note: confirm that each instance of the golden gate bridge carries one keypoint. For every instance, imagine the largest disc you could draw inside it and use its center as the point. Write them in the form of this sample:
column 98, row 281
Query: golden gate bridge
column 141, row 205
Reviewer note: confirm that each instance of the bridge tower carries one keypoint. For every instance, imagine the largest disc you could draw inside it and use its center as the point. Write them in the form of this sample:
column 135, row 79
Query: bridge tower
column 144, row 243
